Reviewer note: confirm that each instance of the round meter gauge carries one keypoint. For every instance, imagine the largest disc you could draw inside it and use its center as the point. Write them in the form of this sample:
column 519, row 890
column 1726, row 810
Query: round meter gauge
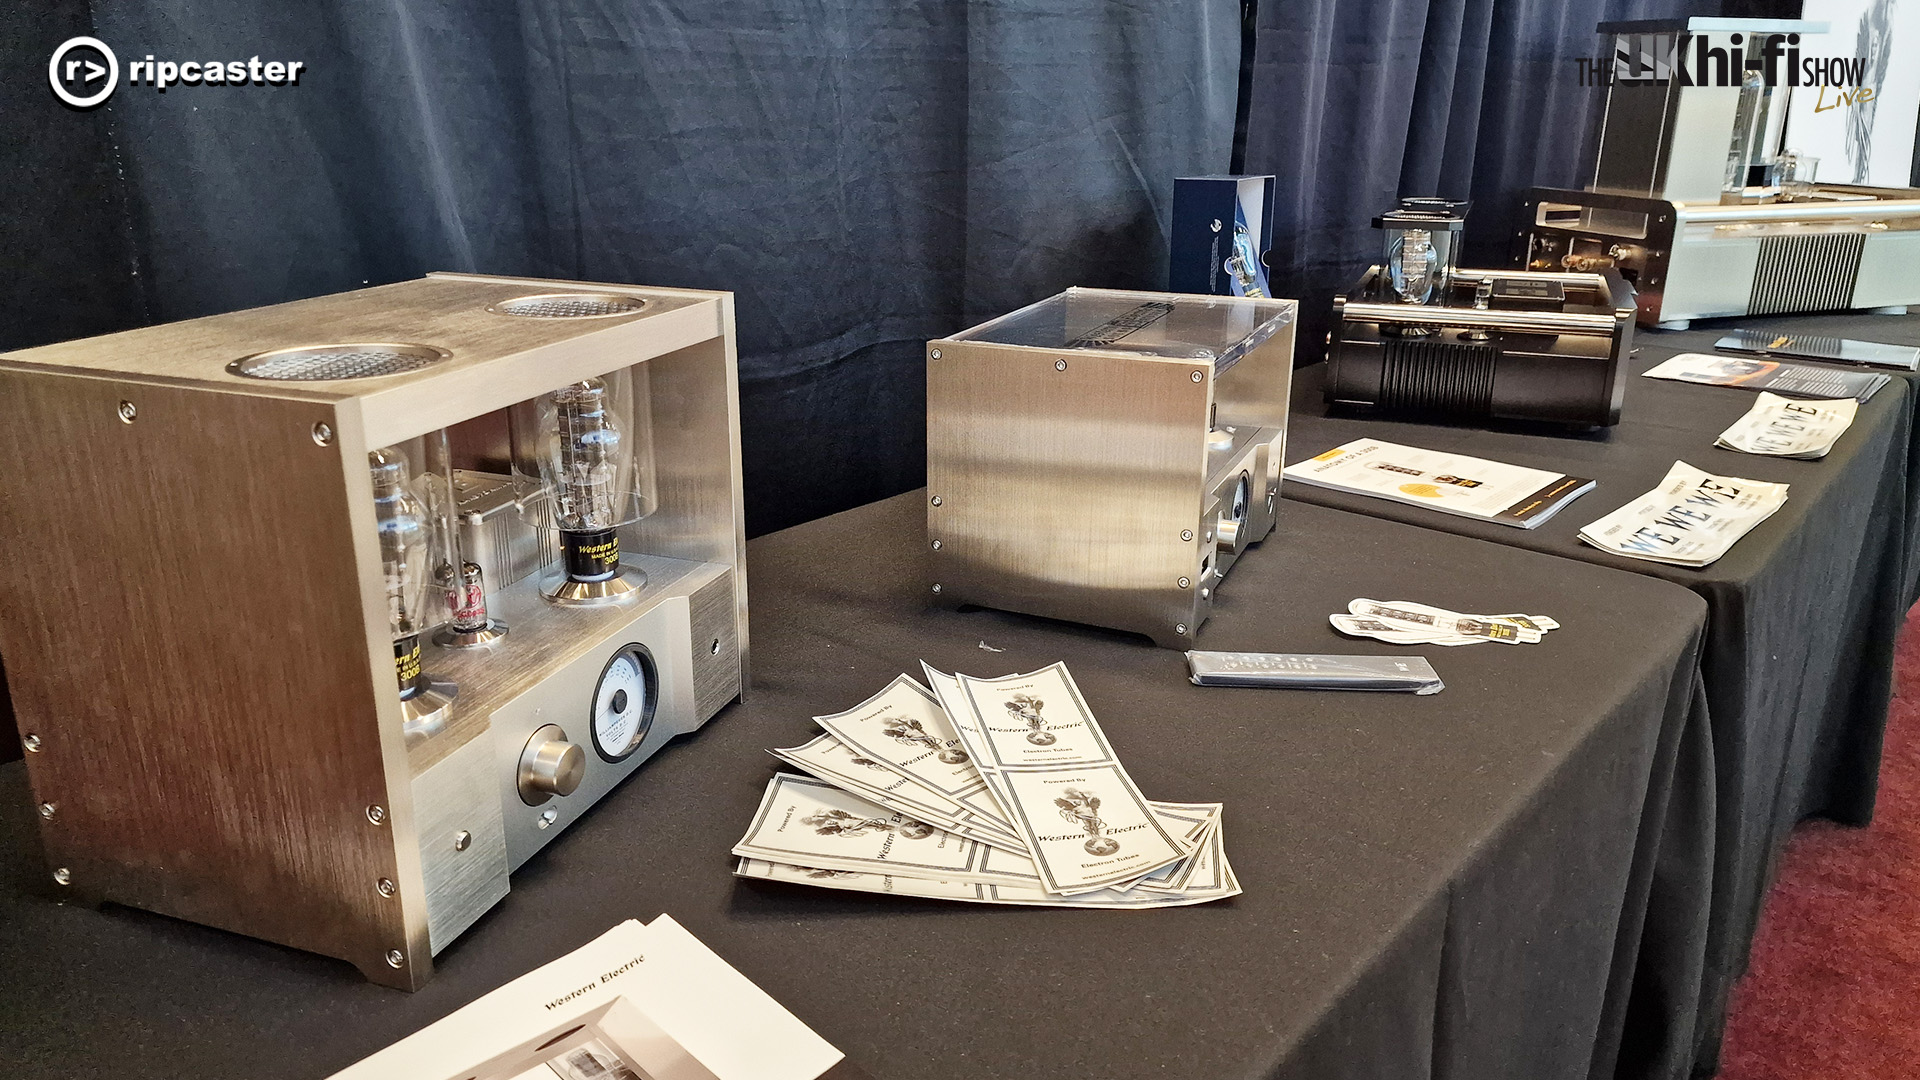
column 623, row 703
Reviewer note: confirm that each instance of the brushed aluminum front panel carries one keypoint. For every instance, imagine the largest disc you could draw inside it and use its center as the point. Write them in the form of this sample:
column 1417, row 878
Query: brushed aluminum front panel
column 1709, row 274
column 1889, row 270
column 463, row 842
column 1066, row 483
column 546, row 670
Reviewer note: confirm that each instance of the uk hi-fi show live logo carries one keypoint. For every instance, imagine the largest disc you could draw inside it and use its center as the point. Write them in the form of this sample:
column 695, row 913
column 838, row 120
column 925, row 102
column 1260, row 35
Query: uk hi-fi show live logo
column 1716, row 59
column 84, row 72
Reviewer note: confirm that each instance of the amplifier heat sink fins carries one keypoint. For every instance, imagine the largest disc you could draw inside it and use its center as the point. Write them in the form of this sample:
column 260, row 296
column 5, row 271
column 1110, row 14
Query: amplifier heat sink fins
column 1806, row 273
column 1437, row 376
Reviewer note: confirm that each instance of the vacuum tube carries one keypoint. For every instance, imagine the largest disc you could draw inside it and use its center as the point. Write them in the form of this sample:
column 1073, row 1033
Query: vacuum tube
column 1422, row 248
column 408, row 563
column 468, row 623
column 1795, row 172
column 583, row 467
column 1249, row 273
column 1411, row 267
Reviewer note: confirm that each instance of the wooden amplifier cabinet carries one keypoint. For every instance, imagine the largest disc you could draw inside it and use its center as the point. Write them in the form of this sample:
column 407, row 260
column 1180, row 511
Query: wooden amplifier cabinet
column 194, row 617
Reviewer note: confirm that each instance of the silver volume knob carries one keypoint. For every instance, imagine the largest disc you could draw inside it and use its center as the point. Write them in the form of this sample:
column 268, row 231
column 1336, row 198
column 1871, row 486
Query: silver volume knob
column 549, row 766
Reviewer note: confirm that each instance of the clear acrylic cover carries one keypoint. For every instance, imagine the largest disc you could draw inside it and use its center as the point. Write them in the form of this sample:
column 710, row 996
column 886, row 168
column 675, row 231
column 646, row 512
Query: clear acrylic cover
column 1180, row 326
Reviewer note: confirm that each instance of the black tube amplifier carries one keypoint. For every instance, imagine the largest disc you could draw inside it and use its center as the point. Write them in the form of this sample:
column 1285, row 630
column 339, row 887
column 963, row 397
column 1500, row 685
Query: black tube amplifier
column 1497, row 345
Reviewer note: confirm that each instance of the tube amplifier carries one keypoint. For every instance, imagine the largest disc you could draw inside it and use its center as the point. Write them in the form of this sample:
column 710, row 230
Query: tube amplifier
column 325, row 617
column 1491, row 345
column 1699, row 201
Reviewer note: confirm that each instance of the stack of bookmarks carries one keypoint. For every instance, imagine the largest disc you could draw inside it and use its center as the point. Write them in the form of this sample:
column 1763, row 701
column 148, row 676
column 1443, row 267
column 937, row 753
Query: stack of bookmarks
column 999, row 791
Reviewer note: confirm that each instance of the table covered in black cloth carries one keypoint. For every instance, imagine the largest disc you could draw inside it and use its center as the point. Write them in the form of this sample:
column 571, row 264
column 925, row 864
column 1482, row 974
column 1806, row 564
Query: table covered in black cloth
column 1891, row 330
column 1449, row 886
column 1803, row 615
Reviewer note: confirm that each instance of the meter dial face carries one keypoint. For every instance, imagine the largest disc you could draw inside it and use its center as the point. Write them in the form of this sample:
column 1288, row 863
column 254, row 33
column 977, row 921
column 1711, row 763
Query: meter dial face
column 623, row 703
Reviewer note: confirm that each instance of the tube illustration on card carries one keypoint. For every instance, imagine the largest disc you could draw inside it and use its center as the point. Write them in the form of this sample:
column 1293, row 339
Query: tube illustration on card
column 1026, row 707
column 837, row 822
column 908, row 731
column 1083, row 809
column 1074, row 775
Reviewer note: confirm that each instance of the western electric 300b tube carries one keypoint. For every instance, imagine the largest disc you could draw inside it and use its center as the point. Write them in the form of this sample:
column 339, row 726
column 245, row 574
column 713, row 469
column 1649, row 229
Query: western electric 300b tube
column 407, row 561
column 583, row 465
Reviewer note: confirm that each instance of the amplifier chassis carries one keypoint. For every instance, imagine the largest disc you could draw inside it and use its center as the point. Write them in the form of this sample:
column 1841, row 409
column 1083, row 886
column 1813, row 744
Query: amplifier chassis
column 1100, row 485
column 197, row 621
column 1859, row 251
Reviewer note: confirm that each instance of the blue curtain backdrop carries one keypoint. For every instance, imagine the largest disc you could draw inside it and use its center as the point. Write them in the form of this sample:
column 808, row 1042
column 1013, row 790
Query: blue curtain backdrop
column 863, row 175
column 1354, row 103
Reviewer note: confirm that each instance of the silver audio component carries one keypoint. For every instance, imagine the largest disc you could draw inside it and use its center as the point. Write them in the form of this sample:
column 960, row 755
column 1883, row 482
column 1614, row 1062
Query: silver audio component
column 1105, row 457
column 379, row 814
column 1690, row 200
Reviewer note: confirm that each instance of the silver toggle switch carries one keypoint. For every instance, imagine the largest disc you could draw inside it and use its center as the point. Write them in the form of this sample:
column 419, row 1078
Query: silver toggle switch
column 550, row 765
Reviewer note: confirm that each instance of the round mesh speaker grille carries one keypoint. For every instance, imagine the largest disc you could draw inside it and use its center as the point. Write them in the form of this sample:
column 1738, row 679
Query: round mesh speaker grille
column 569, row 306
column 326, row 363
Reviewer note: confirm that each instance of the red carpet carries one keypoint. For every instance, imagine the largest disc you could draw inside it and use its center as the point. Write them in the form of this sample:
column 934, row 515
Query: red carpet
column 1833, row 992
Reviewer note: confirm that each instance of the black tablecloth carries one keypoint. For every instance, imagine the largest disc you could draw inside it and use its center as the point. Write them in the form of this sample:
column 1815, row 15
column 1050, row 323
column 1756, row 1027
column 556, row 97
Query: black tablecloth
column 1892, row 330
column 1449, row 886
column 1804, row 612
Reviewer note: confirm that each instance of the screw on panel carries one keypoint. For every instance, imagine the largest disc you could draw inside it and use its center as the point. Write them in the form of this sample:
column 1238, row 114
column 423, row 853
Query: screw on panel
column 1184, row 582
column 47, row 810
column 30, row 743
column 1186, row 534
column 935, row 354
column 396, row 958
column 937, row 545
column 1217, row 225
column 386, row 887
column 547, row 818
column 715, row 647
column 1206, row 594
column 1198, row 377
column 1180, row 628
column 127, row 412
column 63, row 876
column 1059, row 365
column 462, row 840
column 936, row 500
column 323, row 433
column 377, row 814
column 936, row 586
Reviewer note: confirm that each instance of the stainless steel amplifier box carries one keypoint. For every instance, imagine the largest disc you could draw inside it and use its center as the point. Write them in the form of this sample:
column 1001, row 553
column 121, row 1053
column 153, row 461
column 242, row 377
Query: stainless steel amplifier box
column 1104, row 457
column 284, row 611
